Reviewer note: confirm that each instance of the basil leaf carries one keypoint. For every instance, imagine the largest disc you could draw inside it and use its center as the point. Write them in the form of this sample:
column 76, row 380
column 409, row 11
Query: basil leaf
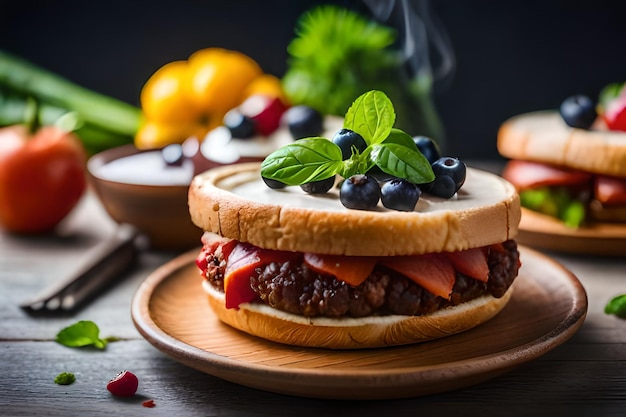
column 303, row 161
column 372, row 116
column 82, row 333
column 400, row 137
column 617, row 306
column 402, row 161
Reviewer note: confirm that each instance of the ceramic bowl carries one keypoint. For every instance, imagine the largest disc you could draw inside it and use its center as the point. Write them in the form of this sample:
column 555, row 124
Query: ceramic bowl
column 145, row 195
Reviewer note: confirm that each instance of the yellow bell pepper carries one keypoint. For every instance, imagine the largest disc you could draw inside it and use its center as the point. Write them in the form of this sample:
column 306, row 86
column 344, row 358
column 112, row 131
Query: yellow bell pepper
column 190, row 98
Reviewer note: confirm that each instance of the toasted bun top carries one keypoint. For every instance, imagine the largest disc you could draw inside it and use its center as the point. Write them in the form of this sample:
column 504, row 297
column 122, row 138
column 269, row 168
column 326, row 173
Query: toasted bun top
column 233, row 201
column 543, row 136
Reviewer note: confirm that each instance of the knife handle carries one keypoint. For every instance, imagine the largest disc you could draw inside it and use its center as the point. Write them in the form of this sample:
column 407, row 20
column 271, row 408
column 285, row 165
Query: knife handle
column 105, row 265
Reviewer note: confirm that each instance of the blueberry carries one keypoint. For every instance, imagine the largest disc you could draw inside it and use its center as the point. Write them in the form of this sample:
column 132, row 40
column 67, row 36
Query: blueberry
column 399, row 194
column 303, row 121
column 359, row 192
column 443, row 186
column 319, row 187
column 346, row 139
column 578, row 111
column 240, row 125
column 173, row 155
column 427, row 147
column 452, row 167
column 274, row 184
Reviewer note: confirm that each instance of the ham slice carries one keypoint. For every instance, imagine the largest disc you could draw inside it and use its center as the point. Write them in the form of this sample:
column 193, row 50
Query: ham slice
column 434, row 272
column 351, row 269
column 610, row 190
column 526, row 174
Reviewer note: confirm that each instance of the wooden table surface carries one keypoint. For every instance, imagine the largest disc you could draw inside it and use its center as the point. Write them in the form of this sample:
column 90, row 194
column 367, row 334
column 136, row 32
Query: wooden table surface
column 584, row 376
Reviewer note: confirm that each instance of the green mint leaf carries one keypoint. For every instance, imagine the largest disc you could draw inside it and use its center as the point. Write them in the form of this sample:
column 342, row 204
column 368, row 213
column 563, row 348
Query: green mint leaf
column 65, row 378
column 82, row 333
column 402, row 161
column 303, row 161
column 617, row 306
column 372, row 116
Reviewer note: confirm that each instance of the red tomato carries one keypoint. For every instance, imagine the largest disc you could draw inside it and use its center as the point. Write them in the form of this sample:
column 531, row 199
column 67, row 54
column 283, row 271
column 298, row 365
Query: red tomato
column 42, row 178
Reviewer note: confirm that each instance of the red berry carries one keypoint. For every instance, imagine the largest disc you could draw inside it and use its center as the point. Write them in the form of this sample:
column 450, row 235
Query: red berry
column 265, row 111
column 615, row 114
column 124, row 384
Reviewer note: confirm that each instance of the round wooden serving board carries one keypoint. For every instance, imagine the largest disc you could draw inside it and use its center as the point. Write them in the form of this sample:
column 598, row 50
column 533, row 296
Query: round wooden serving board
column 544, row 232
column 547, row 307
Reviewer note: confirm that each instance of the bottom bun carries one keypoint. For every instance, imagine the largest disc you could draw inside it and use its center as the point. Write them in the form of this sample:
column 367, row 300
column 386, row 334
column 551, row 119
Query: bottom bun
column 354, row 333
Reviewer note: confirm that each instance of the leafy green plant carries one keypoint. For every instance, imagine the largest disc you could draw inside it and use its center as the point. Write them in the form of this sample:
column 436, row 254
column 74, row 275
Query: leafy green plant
column 338, row 55
column 372, row 116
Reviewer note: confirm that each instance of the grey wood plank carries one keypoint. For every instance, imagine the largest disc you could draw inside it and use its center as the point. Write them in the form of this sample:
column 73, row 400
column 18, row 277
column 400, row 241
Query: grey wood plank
column 549, row 385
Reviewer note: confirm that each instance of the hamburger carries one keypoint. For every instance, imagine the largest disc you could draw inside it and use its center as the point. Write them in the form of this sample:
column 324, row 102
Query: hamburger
column 570, row 171
column 303, row 268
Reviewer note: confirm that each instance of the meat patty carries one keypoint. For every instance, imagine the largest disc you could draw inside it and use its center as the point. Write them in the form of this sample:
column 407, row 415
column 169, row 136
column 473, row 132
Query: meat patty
column 295, row 288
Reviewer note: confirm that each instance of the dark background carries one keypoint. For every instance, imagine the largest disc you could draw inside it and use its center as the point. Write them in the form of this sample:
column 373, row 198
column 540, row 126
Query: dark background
column 511, row 56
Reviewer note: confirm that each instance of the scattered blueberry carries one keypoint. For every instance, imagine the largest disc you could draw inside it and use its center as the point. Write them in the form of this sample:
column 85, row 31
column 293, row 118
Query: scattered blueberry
column 303, row 121
column 346, row 139
column 173, row 155
column 240, row 125
column 443, row 186
column 274, row 184
column 319, row 187
column 360, row 192
column 399, row 194
column 427, row 147
column 578, row 111
column 452, row 167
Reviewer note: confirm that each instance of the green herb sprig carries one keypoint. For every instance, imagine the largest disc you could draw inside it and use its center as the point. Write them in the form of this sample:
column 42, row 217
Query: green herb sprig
column 81, row 334
column 65, row 378
column 372, row 116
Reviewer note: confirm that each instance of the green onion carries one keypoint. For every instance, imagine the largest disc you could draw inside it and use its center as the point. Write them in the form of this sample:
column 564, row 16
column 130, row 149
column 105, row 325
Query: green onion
column 97, row 109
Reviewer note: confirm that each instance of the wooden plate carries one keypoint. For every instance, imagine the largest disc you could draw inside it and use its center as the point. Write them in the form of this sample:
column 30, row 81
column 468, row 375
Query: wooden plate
column 547, row 307
column 544, row 232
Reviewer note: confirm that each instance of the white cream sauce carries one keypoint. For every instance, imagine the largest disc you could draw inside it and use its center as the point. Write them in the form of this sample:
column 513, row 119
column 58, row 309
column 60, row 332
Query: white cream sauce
column 480, row 189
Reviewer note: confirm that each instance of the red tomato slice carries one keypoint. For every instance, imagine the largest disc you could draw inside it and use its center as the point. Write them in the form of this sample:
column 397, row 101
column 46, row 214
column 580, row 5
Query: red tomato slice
column 526, row 174
column 434, row 272
column 242, row 261
column 471, row 262
column 610, row 190
column 350, row 269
